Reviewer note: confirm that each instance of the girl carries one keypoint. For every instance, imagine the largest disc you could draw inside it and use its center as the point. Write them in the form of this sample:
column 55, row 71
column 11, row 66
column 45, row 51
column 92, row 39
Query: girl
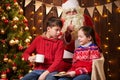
column 83, row 55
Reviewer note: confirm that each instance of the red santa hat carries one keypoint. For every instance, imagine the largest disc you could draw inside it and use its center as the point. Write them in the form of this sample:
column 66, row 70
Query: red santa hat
column 70, row 4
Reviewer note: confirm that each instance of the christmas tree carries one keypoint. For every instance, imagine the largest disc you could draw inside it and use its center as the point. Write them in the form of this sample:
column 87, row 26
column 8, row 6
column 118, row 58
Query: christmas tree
column 14, row 39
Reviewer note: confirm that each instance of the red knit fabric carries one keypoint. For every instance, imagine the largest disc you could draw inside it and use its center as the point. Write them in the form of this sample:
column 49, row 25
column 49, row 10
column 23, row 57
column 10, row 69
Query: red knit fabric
column 51, row 49
column 82, row 59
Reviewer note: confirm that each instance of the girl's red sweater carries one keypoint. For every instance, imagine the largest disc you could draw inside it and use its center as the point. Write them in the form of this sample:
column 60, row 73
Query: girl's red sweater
column 52, row 50
column 82, row 59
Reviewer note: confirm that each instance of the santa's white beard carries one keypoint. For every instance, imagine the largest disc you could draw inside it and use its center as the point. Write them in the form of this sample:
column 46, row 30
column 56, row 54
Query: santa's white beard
column 77, row 22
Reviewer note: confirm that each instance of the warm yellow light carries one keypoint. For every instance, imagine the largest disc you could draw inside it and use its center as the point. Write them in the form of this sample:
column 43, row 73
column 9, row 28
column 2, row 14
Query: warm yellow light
column 105, row 45
column 95, row 3
column 39, row 21
column 107, row 38
column 110, row 61
column 110, row 75
column 105, row 15
column 119, row 35
column 32, row 12
column 118, row 47
column 95, row 19
column 118, row 10
column 108, row 0
column 109, row 30
column 40, row 14
column 83, row 4
column 109, row 23
column 106, row 52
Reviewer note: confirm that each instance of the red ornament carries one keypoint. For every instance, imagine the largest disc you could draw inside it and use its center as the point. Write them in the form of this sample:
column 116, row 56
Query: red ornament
column 8, row 70
column 6, row 21
column 20, row 47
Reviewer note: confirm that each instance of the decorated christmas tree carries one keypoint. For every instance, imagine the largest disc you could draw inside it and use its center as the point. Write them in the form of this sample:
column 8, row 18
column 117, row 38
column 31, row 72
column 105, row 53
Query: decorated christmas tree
column 14, row 39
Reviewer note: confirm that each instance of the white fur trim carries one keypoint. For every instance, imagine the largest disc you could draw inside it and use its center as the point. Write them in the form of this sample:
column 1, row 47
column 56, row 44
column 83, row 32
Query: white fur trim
column 70, row 4
column 67, row 55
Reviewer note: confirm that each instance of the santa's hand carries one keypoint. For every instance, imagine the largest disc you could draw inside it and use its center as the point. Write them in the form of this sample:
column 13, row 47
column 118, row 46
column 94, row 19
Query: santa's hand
column 70, row 28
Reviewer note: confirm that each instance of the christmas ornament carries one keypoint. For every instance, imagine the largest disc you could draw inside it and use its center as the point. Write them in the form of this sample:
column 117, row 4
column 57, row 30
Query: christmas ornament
column 33, row 28
column 30, row 37
column 5, row 58
column 10, row 61
column 15, row 19
column 20, row 47
column 6, row 21
column 3, row 75
column 21, row 11
column 16, row 4
column 12, row 42
column 16, row 41
column 2, row 31
column 14, row 68
column 3, row 18
column 15, row 27
column 27, row 40
column 8, row 8
column 26, row 28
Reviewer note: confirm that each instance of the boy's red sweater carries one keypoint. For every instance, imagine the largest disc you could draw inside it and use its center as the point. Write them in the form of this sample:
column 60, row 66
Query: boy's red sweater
column 52, row 50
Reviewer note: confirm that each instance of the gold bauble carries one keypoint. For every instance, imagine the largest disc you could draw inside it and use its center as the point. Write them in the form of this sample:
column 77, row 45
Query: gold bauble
column 30, row 71
column 5, row 59
column 26, row 28
column 3, row 76
column 14, row 68
column 27, row 40
column 33, row 28
column 16, row 41
column 12, row 42
column 15, row 19
column 3, row 18
column 10, row 61
column 21, row 11
column 2, row 31
column 30, row 37
column 16, row 4
column 8, row 7
column 15, row 27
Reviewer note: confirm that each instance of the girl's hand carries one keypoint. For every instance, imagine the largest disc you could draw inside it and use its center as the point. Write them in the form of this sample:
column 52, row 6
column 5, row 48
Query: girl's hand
column 71, row 74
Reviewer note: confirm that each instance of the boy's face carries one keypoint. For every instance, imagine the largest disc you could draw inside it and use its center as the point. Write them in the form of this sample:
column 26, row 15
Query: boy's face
column 54, row 31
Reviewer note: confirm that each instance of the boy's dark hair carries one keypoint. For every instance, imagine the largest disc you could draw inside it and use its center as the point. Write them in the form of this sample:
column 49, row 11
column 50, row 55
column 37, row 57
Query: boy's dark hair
column 54, row 21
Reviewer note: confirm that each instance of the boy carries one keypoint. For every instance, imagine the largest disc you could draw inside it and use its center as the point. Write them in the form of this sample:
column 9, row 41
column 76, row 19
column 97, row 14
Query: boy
column 51, row 47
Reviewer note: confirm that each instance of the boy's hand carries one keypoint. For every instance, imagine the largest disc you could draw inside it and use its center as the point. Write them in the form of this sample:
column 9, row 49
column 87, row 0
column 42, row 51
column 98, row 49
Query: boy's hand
column 32, row 58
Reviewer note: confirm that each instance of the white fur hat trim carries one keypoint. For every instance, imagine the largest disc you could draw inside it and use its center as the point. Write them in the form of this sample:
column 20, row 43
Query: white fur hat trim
column 70, row 4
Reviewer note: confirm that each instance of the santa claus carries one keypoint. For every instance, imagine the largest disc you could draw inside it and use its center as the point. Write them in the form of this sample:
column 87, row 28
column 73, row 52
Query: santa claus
column 73, row 18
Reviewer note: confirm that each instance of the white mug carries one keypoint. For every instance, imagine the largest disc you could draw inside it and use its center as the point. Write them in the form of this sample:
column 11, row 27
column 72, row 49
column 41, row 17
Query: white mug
column 39, row 58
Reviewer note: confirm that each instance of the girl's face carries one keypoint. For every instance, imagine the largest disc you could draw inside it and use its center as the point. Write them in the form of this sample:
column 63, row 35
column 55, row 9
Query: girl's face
column 54, row 31
column 82, row 38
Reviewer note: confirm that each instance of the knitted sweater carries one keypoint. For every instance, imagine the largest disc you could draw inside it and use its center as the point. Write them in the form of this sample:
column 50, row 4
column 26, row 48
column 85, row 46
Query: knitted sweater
column 51, row 49
column 82, row 59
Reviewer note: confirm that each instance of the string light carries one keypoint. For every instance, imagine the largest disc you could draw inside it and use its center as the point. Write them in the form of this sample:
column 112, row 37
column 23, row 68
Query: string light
column 108, row 1
column 118, row 48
